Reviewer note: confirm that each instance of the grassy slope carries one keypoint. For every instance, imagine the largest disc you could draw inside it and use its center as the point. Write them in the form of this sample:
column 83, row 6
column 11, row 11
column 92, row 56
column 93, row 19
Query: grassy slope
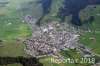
column 18, row 28
column 9, row 33
column 13, row 49
column 56, row 4
column 95, row 26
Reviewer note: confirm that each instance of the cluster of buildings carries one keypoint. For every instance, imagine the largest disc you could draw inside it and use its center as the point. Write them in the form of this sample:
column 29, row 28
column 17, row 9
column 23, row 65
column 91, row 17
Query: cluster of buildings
column 50, row 38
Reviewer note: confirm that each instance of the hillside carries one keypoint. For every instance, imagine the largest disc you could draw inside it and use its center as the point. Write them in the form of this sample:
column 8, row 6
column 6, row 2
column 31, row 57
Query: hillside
column 51, row 10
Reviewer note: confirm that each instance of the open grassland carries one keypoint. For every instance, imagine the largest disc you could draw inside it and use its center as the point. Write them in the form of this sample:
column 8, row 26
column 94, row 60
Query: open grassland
column 93, row 44
column 12, row 26
column 13, row 49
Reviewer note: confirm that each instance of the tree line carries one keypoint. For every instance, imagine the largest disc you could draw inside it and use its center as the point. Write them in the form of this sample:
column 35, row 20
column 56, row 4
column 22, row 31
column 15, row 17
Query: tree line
column 32, row 61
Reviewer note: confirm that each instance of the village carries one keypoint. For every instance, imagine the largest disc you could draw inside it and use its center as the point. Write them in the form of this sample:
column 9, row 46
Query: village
column 49, row 39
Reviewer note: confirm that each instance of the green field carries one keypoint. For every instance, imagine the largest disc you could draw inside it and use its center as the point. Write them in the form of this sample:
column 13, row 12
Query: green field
column 86, row 40
column 12, row 26
column 13, row 49
column 93, row 44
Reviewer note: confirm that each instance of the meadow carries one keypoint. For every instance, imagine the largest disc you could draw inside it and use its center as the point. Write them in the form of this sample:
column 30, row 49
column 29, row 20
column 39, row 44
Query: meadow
column 12, row 27
column 95, row 27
